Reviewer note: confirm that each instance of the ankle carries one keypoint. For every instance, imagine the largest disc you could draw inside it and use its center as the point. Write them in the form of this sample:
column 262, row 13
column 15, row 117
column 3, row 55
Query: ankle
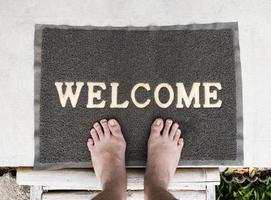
column 118, row 183
column 116, row 188
column 115, row 193
column 156, row 178
column 152, row 182
column 151, row 190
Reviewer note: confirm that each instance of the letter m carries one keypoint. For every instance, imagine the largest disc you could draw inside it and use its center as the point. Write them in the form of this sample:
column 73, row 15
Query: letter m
column 182, row 96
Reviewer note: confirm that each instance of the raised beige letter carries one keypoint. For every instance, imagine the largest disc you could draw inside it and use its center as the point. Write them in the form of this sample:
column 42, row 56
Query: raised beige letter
column 211, row 95
column 182, row 95
column 156, row 95
column 95, row 95
column 137, row 104
column 114, row 96
column 68, row 93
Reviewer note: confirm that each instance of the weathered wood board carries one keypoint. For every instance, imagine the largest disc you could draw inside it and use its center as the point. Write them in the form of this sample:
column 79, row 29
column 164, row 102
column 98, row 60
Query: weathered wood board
column 81, row 179
column 133, row 195
column 82, row 184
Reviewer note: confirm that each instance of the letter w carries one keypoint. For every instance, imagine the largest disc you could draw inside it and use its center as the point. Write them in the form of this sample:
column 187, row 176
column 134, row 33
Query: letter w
column 68, row 93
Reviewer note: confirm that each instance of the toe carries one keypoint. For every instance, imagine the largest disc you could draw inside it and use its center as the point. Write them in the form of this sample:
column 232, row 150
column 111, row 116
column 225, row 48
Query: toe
column 99, row 130
column 167, row 127
column 105, row 127
column 157, row 126
column 90, row 144
column 173, row 130
column 181, row 143
column 94, row 135
column 177, row 136
column 114, row 127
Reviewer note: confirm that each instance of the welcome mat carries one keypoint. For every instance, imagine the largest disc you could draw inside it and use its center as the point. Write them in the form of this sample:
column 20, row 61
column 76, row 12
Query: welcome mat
column 190, row 74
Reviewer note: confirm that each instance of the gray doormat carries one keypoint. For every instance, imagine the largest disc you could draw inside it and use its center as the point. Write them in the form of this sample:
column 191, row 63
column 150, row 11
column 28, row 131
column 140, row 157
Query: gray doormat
column 203, row 57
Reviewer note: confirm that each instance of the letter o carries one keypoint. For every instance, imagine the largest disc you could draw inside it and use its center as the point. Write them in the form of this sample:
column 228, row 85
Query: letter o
column 156, row 95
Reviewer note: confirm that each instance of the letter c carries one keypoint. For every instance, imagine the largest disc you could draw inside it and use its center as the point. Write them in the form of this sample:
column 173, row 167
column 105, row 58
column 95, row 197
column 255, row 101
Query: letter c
column 137, row 104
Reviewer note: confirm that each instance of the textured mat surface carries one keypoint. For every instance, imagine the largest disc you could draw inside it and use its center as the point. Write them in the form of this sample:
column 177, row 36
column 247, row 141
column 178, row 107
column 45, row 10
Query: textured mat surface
column 131, row 55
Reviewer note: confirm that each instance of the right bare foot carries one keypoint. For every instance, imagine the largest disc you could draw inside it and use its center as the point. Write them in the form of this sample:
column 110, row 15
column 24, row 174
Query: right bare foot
column 164, row 151
column 107, row 148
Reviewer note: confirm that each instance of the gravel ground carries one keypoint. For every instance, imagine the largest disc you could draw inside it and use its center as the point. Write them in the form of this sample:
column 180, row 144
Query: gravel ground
column 9, row 190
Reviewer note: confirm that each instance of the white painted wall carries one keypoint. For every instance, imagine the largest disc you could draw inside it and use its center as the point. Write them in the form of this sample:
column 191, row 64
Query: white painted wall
column 17, row 19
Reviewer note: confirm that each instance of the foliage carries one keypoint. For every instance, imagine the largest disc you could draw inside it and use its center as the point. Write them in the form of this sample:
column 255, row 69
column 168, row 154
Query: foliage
column 243, row 191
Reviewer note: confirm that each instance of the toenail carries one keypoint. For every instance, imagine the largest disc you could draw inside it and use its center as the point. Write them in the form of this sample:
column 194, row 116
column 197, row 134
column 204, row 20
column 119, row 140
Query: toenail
column 96, row 124
column 90, row 141
column 180, row 141
column 169, row 121
column 112, row 122
column 103, row 120
column 158, row 122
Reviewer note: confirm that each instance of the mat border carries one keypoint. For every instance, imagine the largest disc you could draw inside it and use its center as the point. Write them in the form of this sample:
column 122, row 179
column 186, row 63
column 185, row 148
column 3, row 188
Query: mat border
column 134, row 164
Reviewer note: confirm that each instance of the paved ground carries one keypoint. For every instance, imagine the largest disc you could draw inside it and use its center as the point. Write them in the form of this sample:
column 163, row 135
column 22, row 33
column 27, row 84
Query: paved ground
column 9, row 190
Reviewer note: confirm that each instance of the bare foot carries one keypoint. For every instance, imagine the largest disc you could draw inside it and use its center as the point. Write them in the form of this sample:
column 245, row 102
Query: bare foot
column 164, row 151
column 107, row 149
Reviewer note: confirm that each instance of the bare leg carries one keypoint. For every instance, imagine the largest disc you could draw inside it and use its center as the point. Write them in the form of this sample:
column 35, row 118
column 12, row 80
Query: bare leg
column 164, row 150
column 107, row 149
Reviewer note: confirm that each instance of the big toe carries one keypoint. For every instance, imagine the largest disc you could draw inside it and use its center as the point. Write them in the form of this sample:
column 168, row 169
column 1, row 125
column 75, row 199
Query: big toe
column 157, row 126
column 114, row 127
